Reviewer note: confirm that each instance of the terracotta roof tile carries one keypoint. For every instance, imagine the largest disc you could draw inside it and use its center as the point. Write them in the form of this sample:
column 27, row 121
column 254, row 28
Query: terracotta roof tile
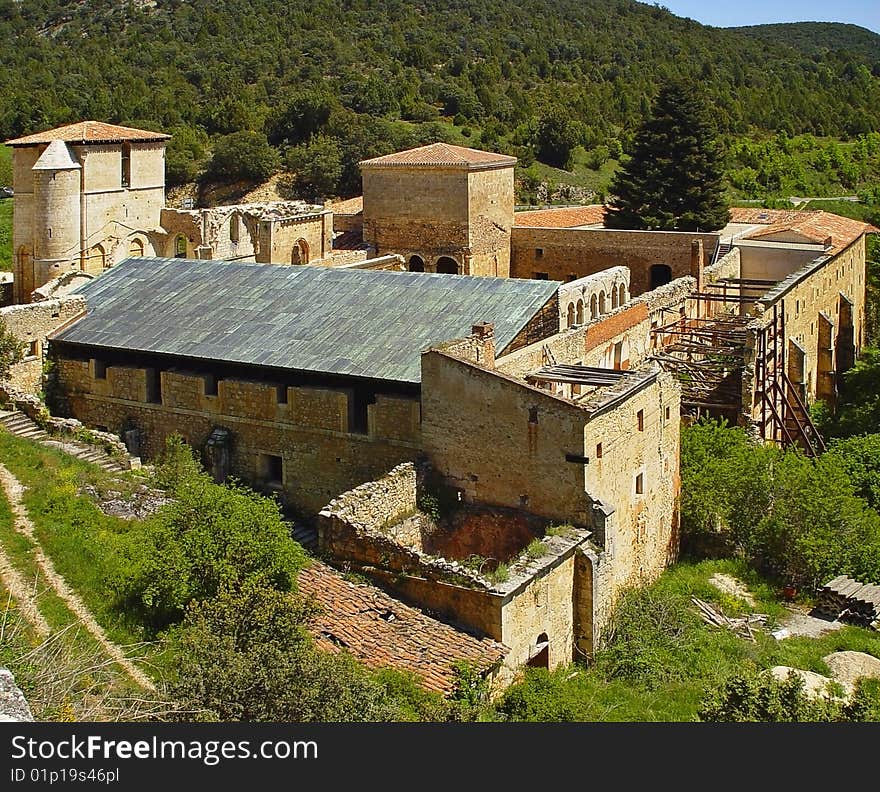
column 759, row 216
column 348, row 206
column 817, row 227
column 441, row 154
column 381, row 631
column 88, row 132
column 563, row 217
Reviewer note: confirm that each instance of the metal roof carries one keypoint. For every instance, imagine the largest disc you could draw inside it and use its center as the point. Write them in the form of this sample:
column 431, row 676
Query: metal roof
column 358, row 323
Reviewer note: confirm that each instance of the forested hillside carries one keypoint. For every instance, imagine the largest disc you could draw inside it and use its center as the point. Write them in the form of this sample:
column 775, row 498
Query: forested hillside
column 357, row 78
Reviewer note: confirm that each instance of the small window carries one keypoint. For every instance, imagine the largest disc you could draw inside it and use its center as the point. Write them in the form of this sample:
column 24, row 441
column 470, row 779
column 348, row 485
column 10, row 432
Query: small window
column 100, row 369
column 541, row 276
column 210, row 385
column 34, row 348
column 539, row 253
column 126, row 164
column 667, row 413
column 533, row 415
column 281, row 394
column 234, row 229
column 154, row 386
column 598, row 450
column 273, row 469
column 640, row 419
column 640, row 484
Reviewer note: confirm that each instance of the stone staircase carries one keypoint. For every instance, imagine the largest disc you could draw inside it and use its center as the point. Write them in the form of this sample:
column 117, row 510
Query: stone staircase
column 19, row 424
column 306, row 536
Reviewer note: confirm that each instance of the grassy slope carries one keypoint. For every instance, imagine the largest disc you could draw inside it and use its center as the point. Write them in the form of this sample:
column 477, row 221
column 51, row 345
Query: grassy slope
column 5, row 210
column 705, row 658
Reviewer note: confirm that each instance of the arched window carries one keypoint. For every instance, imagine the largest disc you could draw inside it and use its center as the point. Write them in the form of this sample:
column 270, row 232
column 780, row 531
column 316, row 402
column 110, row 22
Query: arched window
column 540, row 654
column 447, row 265
column 570, row 316
column 234, row 229
column 300, row 252
column 126, row 164
column 180, row 246
column 96, row 260
column 621, row 294
column 660, row 274
column 135, row 248
column 416, row 264
column 602, row 302
column 580, row 312
column 614, row 302
column 594, row 307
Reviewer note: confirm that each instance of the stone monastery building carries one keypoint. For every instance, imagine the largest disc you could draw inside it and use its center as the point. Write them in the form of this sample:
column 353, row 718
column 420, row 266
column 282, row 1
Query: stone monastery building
column 476, row 408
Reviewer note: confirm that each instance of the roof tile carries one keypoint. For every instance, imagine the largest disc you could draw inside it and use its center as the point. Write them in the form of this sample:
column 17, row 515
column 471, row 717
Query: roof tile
column 88, row 132
column 562, row 217
column 439, row 154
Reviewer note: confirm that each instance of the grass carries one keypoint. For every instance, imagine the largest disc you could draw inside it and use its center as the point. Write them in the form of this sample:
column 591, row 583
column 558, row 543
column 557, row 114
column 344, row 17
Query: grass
column 672, row 659
column 88, row 548
column 6, row 234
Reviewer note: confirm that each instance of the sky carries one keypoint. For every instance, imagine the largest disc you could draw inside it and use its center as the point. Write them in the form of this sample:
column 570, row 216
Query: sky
column 865, row 13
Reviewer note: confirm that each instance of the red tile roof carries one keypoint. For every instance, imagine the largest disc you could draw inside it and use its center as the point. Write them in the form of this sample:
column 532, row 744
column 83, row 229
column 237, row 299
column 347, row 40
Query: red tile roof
column 88, row 132
column 817, row 227
column 758, row 216
column 563, row 217
column 381, row 631
column 348, row 206
column 439, row 154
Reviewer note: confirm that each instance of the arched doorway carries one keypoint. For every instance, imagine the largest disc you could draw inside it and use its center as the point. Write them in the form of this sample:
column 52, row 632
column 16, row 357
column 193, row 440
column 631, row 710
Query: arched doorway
column 614, row 302
column 180, row 246
column 96, row 260
column 621, row 294
column 135, row 248
column 594, row 307
column 580, row 312
column 447, row 266
column 416, row 264
column 602, row 307
column 300, row 252
column 660, row 275
column 569, row 319
column 540, row 655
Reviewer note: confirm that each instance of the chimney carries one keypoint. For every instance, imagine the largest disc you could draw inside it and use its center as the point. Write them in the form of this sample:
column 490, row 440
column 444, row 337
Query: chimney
column 483, row 334
column 697, row 262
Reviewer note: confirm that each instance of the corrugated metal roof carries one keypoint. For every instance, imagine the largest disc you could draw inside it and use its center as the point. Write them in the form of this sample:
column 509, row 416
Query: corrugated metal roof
column 358, row 323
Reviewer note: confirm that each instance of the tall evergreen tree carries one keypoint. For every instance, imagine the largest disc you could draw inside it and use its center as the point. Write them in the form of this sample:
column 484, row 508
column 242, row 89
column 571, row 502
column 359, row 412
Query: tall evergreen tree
column 673, row 180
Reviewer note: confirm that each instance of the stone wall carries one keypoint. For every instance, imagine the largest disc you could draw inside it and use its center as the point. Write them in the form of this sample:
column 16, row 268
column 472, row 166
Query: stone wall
column 587, row 298
column 490, row 212
column 308, row 428
column 13, row 705
column 562, row 252
column 31, row 324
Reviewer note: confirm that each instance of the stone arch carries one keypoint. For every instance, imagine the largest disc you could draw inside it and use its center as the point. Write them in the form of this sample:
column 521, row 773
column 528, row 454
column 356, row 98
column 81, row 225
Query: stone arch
column 181, row 244
column 416, row 264
column 580, row 312
column 540, row 653
column 614, row 301
column 594, row 307
column 300, row 252
column 570, row 315
column 602, row 307
column 96, row 260
column 234, row 228
column 447, row 265
column 621, row 294
column 135, row 248
column 661, row 274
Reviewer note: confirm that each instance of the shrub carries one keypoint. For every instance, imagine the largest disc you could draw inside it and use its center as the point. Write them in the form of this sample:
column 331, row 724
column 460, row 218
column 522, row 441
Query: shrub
column 243, row 155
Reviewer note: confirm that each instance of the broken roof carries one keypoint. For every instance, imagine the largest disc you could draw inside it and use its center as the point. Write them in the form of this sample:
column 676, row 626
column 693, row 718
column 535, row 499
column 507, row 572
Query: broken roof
column 817, row 227
column 561, row 217
column 349, row 322
column 442, row 154
column 381, row 631
column 88, row 132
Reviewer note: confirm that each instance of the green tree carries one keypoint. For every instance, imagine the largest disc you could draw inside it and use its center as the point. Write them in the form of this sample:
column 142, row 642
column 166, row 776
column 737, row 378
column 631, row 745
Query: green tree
column 243, row 155
column 208, row 537
column 11, row 350
column 316, row 168
column 673, row 179
column 555, row 139
column 185, row 155
column 246, row 655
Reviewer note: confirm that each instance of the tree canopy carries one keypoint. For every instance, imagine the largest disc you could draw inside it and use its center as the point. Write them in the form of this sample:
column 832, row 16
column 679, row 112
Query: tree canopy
column 673, row 179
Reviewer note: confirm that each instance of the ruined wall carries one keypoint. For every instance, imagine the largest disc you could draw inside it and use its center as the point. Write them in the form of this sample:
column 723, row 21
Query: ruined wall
column 308, row 428
column 288, row 235
column 501, row 441
column 562, row 252
column 587, row 298
column 31, row 324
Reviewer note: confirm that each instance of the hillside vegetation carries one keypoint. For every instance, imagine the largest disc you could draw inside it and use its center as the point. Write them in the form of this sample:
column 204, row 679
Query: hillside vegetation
column 369, row 77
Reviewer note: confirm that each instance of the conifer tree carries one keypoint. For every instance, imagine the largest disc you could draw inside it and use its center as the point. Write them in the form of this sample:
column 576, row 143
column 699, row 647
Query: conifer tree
column 673, row 180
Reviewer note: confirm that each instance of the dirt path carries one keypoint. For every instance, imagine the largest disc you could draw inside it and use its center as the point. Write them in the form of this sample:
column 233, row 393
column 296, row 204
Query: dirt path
column 14, row 492
column 23, row 594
